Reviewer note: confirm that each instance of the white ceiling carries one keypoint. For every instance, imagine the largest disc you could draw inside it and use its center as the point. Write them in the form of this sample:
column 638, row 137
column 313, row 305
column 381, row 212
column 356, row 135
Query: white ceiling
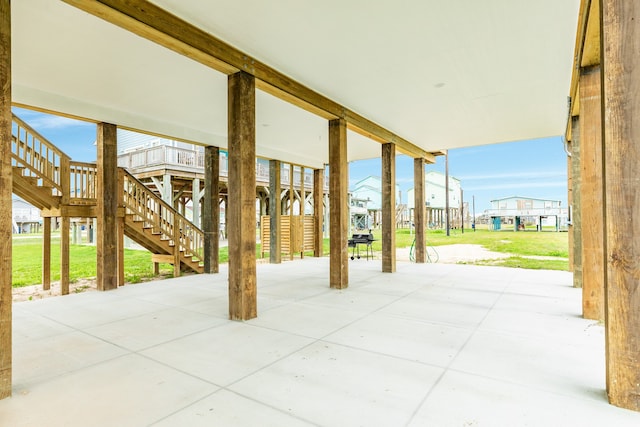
column 442, row 74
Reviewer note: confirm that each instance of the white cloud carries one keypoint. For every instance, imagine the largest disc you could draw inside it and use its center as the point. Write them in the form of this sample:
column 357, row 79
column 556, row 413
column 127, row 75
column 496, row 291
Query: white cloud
column 41, row 121
column 517, row 185
column 513, row 175
column 55, row 122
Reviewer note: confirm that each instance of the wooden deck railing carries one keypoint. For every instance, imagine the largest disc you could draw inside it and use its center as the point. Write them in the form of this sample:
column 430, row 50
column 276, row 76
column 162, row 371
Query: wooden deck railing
column 165, row 155
column 161, row 217
column 38, row 157
column 82, row 183
column 168, row 157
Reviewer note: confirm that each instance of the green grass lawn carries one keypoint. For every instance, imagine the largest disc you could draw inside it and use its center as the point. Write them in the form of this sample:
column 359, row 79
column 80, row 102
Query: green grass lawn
column 27, row 262
column 520, row 244
column 27, row 253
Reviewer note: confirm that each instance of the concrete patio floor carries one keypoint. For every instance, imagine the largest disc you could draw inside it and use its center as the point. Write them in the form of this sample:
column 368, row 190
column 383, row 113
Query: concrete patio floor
column 431, row 345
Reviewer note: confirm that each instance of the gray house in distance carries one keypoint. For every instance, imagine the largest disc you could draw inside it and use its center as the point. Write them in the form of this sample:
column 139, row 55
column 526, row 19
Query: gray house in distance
column 519, row 212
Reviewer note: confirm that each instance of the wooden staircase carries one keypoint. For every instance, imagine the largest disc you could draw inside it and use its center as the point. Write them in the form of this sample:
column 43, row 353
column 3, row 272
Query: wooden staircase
column 158, row 227
column 46, row 177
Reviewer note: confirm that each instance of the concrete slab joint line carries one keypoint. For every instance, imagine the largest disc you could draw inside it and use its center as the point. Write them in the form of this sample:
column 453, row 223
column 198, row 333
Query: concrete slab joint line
column 505, row 345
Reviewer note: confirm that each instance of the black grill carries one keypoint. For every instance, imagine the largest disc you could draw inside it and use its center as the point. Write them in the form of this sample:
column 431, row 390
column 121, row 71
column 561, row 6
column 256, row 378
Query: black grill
column 361, row 239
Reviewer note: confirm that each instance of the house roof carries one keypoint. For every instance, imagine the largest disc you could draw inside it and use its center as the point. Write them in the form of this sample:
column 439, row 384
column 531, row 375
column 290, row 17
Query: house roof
column 437, row 74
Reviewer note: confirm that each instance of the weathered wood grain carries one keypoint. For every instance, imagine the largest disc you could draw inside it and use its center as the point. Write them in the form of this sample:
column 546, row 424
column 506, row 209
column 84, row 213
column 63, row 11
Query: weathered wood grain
column 275, row 211
column 621, row 147
column 338, row 205
column 211, row 209
column 241, row 219
column 419, row 210
column 318, row 211
column 576, row 211
column 5, row 200
column 591, row 195
column 107, row 207
column 388, row 208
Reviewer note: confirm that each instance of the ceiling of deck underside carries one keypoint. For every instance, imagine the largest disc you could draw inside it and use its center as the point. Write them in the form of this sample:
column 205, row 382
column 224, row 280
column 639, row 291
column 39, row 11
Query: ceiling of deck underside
column 442, row 74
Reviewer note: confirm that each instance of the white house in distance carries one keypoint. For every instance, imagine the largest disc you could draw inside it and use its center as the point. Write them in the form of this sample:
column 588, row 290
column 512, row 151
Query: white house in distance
column 25, row 217
column 435, row 199
column 518, row 211
column 369, row 189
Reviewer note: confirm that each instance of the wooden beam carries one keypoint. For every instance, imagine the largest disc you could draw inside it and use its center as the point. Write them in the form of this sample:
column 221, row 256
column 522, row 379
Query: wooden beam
column 388, row 208
column 107, row 207
column 241, row 211
column 5, row 200
column 318, row 212
column 369, row 129
column 73, row 211
column 591, row 46
column 591, row 195
column 275, row 212
column 621, row 148
column 211, row 214
column 154, row 23
column 419, row 210
column 338, row 205
column 576, row 210
column 586, row 51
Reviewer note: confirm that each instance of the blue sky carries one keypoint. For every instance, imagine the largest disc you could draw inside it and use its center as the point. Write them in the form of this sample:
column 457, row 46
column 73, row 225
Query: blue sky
column 536, row 168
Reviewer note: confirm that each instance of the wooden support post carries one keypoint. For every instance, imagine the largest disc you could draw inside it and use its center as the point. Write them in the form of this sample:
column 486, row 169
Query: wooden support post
column 419, row 210
column 241, row 218
column 338, row 203
column 211, row 214
column 303, row 200
column 74, row 233
column 195, row 201
column 275, row 211
column 568, row 147
column 121, row 226
column 576, row 210
column 107, row 208
column 46, row 254
column 292, row 248
column 167, row 191
column 176, row 244
column 65, row 222
column 388, row 208
column 318, row 214
column 65, row 228
column 327, row 214
column 5, row 200
column 120, row 250
column 447, row 212
column 591, row 197
column 620, row 33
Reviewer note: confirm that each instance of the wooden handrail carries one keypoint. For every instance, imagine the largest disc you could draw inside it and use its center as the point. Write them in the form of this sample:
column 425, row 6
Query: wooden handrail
column 38, row 156
column 162, row 218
